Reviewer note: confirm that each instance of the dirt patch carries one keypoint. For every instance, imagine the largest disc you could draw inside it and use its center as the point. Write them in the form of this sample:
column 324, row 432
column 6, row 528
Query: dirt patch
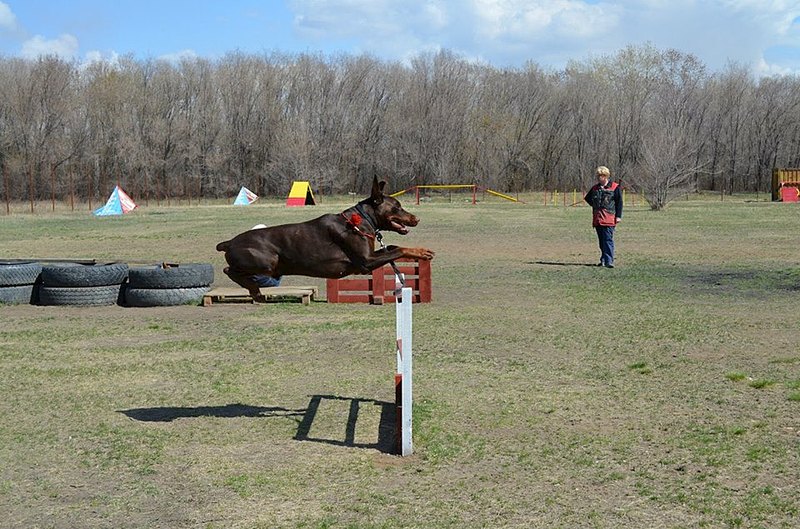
column 746, row 282
column 657, row 394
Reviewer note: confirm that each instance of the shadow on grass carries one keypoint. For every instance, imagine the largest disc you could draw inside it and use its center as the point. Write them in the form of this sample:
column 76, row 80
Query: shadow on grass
column 386, row 427
column 304, row 416
column 169, row 414
column 556, row 263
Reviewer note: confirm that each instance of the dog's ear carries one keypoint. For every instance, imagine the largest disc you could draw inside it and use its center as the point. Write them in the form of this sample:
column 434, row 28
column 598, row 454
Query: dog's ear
column 377, row 190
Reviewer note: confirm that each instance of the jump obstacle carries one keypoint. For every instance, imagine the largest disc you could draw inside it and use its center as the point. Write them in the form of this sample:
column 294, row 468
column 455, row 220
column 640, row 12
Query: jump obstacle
column 412, row 284
column 785, row 183
column 473, row 187
column 403, row 378
column 378, row 287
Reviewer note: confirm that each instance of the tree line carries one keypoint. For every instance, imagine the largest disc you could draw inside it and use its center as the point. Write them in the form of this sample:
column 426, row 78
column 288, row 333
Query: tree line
column 659, row 119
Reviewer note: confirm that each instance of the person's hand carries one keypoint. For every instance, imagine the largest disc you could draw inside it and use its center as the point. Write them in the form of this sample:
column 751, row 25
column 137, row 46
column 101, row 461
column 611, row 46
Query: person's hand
column 618, row 220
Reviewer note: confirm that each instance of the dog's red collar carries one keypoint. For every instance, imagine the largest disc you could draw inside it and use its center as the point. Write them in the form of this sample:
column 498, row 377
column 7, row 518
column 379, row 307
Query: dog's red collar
column 355, row 222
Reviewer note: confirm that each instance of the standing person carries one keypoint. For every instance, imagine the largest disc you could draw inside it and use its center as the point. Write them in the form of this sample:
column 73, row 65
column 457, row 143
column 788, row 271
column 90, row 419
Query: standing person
column 605, row 198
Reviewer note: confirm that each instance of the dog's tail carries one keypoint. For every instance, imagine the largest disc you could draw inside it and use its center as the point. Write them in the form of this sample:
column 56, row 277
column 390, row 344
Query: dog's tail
column 223, row 246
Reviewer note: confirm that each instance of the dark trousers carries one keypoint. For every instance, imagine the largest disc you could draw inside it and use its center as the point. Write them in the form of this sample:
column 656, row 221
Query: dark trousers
column 266, row 281
column 605, row 236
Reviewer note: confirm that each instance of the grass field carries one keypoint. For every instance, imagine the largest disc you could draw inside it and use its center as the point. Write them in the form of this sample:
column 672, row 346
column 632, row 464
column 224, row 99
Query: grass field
column 664, row 393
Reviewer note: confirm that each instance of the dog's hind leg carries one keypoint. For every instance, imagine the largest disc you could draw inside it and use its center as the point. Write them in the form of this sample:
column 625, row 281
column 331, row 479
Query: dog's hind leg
column 246, row 281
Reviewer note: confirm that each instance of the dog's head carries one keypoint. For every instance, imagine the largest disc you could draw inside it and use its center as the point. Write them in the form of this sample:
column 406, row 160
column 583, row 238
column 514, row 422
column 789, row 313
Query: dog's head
column 389, row 214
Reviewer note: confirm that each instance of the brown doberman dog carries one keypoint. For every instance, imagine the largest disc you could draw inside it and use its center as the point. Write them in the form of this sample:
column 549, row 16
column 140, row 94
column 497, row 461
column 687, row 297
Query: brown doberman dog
column 330, row 246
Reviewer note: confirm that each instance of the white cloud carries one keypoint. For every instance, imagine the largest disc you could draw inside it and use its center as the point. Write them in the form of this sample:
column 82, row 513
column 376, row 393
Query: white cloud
column 387, row 28
column 778, row 15
column 435, row 14
column 551, row 32
column 343, row 18
column 65, row 46
column 95, row 56
column 504, row 32
column 765, row 69
column 178, row 56
column 525, row 20
column 7, row 19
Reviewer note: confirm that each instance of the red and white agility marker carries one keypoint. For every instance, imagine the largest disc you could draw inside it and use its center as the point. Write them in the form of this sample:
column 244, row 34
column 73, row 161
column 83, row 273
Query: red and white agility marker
column 403, row 377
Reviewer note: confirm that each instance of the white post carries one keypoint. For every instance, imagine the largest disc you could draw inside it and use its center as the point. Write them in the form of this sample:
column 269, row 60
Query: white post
column 404, row 298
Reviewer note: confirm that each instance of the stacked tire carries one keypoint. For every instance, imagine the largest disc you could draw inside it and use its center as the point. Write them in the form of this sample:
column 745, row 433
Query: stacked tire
column 18, row 282
column 71, row 284
column 162, row 286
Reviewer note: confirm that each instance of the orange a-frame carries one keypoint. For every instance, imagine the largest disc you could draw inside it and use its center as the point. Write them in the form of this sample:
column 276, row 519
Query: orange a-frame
column 301, row 195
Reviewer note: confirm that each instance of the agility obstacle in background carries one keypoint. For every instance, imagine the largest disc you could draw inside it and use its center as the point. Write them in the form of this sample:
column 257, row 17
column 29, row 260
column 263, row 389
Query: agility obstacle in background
column 301, row 195
column 378, row 287
column 554, row 197
column 785, row 184
column 790, row 194
column 245, row 197
column 118, row 203
column 472, row 187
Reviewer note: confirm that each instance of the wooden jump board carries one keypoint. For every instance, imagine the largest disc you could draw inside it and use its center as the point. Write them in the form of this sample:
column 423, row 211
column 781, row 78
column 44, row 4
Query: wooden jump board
column 239, row 295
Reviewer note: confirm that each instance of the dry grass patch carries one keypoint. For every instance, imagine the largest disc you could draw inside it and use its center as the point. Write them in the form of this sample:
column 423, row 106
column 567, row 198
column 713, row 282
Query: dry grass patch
column 548, row 393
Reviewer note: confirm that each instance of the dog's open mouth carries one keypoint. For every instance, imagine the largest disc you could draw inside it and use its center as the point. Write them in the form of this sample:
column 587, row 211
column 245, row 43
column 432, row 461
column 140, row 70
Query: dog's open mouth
column 399, row 228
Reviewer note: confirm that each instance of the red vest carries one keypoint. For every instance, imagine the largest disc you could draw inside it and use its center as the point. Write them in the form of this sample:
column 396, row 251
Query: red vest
column 604, row 208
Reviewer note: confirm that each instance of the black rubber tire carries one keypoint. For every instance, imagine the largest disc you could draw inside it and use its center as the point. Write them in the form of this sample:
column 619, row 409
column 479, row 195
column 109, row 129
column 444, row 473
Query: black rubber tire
column 16, row 295
column 182, row 276
column 15, row 274
column 164, row 297
column 82, row 296
column 84, row 275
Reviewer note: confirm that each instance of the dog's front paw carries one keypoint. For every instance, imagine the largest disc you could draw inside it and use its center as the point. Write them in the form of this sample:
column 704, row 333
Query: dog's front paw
column 425, row 254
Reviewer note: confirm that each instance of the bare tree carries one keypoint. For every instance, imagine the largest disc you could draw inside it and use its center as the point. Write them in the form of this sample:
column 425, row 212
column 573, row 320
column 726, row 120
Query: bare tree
column 37, row 106
column 202, row 119
column 667, row 167
column 729, row 100
column 775, row 110
column 587, row 94
column 507, row 123
column 364, row 99
column 203, row 128
column 672, row 143
column 113, row 111
column 248, row 89
column 428, row 118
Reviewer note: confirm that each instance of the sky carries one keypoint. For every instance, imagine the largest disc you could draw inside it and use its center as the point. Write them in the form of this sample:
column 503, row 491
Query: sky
column 763, row 35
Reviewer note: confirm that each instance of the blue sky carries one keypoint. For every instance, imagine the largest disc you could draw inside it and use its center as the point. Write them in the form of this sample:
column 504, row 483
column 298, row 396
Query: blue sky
column 763, row 34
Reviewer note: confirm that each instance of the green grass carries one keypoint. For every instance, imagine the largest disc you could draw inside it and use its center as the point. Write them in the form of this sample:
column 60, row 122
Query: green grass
column 548, row 393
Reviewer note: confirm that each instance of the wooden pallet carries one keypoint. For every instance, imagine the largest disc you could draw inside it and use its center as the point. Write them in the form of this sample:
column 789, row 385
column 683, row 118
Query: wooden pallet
column 239, row 295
